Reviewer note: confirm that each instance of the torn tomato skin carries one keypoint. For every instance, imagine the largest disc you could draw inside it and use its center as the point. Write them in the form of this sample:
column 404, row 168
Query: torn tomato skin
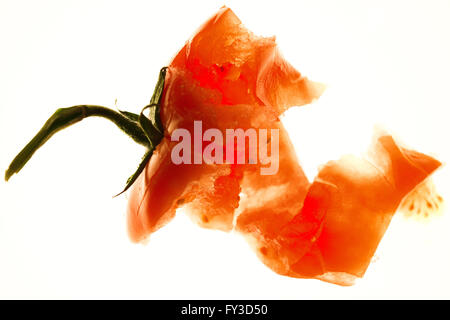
column 327, row 229
column 227, row 77
column 222, row 95
column 345, row 214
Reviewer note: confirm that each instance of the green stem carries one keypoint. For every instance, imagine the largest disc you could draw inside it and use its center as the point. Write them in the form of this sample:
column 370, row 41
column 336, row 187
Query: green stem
column 145, row 131
column 66, row 117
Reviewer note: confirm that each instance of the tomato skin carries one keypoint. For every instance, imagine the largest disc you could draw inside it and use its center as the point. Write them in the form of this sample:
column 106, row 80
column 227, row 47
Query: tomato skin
column 243, row 68
column 162, row 188
column 345, row 214
column 227, row 78
column 329, row 229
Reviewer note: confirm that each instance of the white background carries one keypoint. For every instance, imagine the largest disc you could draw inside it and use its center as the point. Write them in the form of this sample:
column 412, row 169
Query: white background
column 63, row 236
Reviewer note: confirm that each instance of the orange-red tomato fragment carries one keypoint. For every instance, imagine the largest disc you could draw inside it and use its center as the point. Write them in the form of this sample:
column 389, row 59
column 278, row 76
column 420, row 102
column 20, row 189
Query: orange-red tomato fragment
column 329, row 229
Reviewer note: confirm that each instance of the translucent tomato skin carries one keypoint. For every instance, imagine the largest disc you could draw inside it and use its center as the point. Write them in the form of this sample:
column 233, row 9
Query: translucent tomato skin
column 345, row 214
column 228, row 78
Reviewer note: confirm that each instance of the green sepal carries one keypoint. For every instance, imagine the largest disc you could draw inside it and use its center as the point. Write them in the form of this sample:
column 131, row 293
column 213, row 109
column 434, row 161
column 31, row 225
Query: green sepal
column 148, row 125
column 139, row 170
column 157, row 96
column 151, row 126
column 130, row 115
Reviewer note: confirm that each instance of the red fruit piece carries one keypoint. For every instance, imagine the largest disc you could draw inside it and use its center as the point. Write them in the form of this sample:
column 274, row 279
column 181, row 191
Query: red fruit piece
column 227, row 78
column 345, row 214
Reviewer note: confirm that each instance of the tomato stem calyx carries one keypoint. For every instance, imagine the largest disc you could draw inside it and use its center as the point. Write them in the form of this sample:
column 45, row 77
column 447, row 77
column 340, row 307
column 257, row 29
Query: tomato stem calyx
column 146, row 131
